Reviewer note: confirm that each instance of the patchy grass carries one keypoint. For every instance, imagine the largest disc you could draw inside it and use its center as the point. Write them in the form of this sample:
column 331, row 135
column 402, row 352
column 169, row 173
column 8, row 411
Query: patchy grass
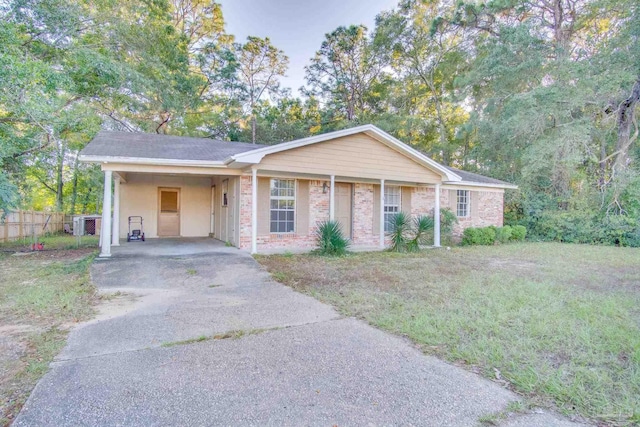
column 234, row 334
column 558, row 323
column 41, row 295
column 52, row 242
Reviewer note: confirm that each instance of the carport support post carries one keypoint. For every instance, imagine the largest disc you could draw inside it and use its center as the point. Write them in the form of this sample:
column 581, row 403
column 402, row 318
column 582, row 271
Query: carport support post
column 115, row 238
column 436, row 219
column 382, row 214
column 105, row 236
column 254, row 211
column 332, row 199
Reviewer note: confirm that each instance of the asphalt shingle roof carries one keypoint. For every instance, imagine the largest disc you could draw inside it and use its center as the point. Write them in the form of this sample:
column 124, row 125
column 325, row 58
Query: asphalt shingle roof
column 154, row 146
column 474, row 177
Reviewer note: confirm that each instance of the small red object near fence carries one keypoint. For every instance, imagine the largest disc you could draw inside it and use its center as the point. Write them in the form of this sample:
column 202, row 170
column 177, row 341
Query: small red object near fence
column 37, row 246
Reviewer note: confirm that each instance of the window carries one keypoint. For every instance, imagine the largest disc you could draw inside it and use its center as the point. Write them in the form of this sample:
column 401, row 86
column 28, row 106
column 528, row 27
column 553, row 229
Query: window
column 283, row 203
column 225, row 192
column 391, row 205
column 462, row 204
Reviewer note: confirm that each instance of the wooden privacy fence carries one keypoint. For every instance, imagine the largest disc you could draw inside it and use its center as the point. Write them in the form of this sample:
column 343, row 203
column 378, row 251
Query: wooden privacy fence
column 25, row 224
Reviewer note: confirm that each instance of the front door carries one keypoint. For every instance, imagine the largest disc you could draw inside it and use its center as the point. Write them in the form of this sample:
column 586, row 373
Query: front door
column 168, row 212
column 343, row 207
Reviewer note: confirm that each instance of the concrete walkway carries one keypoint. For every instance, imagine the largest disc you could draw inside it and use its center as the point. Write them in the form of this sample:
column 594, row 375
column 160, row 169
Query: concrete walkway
column 267, row 355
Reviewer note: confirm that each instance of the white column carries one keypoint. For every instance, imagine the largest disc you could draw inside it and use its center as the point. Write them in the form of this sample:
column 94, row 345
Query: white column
column 254, row 211
column 332, row 199
column 115, row 238
column 105, row 236
column 436, row 219
column 382, row 213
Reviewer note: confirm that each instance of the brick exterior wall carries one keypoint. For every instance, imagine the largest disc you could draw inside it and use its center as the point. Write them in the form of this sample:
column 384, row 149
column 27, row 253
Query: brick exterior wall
column 245, row 212
column 489, row 212
column 362, row 230
column 489, row 209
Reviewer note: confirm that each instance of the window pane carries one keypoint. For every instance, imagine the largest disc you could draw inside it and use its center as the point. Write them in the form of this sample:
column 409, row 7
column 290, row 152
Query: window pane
column 168, row 201
column 282, row 205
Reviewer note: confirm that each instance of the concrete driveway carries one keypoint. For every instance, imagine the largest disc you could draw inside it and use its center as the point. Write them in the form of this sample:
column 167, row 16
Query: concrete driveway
column 201, row 335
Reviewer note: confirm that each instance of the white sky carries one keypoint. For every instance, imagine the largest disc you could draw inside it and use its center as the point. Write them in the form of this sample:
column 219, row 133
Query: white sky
column 297, row 26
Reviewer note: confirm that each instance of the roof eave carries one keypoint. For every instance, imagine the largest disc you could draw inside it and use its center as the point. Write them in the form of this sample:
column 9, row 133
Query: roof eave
column 482, row 184
column 151, row 161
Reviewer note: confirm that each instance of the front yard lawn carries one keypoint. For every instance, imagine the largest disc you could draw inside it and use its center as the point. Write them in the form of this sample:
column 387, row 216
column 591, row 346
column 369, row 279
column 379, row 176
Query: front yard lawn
column 41, row 295
column 558, row 323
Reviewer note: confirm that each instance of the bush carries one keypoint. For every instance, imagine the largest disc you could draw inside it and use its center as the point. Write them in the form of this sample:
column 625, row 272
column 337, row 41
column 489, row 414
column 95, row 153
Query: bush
column 479, row 236
column 407, row 235
column 504, row 234
column 518, row 233
column 576, row 226
column 330, row 238
column 447, row 221
column 422, row 225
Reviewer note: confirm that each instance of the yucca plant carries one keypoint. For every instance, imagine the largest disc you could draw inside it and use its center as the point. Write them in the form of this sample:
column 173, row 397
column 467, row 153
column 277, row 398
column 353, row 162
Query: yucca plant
column 400, row 224
column 407, row 234
column 422, row 225
column 330, row 238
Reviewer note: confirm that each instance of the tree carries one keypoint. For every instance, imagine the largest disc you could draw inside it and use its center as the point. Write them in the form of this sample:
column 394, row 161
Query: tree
column 345, row 70
column 259, row 66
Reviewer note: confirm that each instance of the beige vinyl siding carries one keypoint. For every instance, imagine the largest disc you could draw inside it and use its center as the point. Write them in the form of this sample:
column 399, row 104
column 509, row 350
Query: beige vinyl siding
column 358, row 156
column 302, row 208
column 139, row 197
column 405, row 200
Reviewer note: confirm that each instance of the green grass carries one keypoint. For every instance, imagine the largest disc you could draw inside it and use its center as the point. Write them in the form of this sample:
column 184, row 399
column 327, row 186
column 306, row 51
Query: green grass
column 559, row 323
column 41, row 295
column 53, row 242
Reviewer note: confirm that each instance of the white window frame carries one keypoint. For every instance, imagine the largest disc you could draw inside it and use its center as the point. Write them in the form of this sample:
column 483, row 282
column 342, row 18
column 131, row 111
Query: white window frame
column 391, row 207
column 280, row 198
column 463, row 203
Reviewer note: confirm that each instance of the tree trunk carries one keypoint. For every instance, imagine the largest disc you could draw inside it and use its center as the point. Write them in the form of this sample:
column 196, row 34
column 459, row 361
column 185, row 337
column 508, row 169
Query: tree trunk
column 59, row 176
column 626, row 120
column 74, row 192
column 253, row 128
column 85, row 203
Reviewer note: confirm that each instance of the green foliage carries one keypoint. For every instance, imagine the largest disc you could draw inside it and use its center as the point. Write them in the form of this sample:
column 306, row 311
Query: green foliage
column 447, row 220
column 518, row 233
column 330, row 239
column 586, row 227
column 408, row 234
column 400, row 224
column 422, row 225
column 479, row 236
column 504, row 234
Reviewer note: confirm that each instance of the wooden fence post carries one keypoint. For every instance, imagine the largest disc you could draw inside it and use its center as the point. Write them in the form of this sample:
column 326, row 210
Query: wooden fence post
column 20, row 224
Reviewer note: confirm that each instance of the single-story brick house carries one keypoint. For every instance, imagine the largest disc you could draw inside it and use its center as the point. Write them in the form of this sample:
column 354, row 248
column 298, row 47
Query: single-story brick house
column 259, row 197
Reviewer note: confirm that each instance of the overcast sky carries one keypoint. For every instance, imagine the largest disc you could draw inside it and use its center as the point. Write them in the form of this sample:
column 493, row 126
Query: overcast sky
column 297, row 26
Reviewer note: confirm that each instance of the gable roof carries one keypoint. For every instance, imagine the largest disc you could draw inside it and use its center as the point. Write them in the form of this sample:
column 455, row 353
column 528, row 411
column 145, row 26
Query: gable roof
column 147, row 146
column 255, row 156
column 470, row 178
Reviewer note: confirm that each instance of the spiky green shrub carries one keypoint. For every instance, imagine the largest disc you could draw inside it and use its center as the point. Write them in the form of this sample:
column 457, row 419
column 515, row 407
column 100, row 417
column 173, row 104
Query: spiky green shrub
column 400, row 224
column 330, row 239
column 408, row 234
column 422, row 225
